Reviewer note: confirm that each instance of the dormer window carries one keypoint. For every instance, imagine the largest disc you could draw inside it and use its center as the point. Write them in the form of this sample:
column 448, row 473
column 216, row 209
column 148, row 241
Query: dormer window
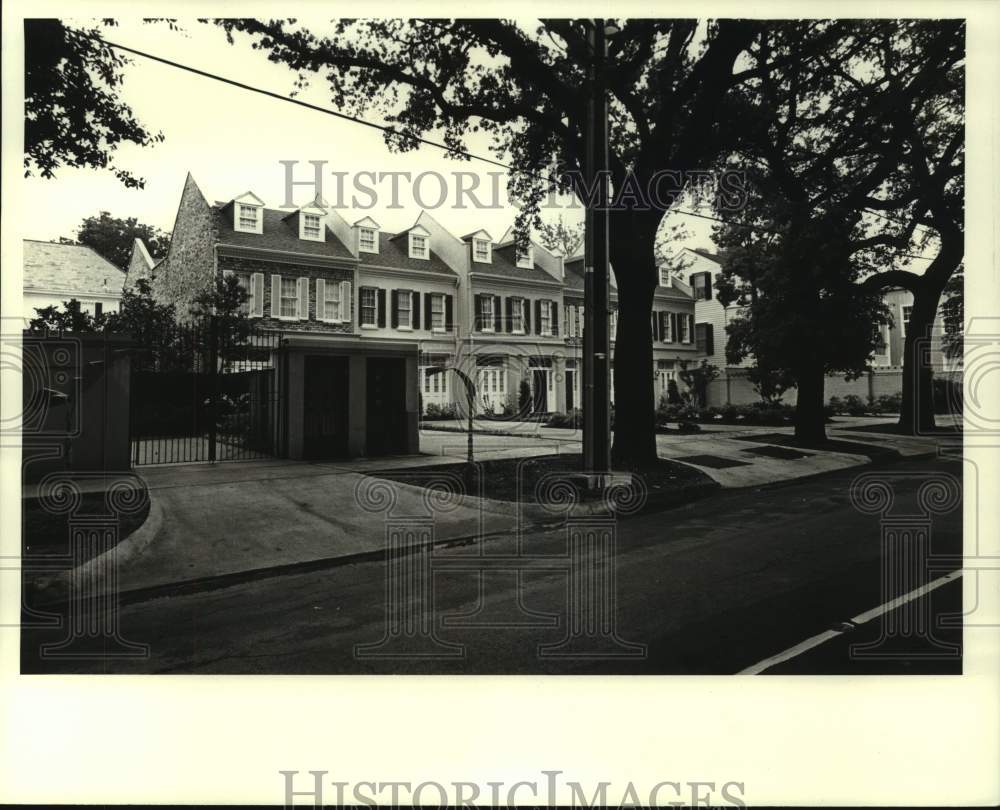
column 367, row 240
column 525, row 258
column 312, row 227
column 247, row 218
column 481, row 250
column 419, row 246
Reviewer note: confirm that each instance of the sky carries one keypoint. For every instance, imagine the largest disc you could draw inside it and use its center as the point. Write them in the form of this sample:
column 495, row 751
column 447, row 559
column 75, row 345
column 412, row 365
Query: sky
column 231, row 140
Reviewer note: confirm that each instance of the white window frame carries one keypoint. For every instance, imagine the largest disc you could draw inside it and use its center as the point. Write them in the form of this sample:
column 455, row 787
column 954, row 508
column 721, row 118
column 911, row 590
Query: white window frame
column 526, row 260
column 487, row 257
column 373, row 248
column 545, row 318
column 665, row 280
column 404, row 295
column 340, row 299
column 415, row 253
column 373, row 307
column 246, row 282
column 686, row 326
column 238, row 217
column 438, row 298
column 486, row 308
column 521, row 305
column 282, row 297
column 319, row 236
column 904, row 317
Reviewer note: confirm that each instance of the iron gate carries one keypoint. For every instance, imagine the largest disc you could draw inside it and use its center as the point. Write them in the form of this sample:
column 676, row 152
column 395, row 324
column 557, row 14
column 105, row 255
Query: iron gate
column 206, row 391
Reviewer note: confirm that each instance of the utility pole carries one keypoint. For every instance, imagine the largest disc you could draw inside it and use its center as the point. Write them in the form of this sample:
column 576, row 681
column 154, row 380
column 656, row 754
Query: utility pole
column 596, row 341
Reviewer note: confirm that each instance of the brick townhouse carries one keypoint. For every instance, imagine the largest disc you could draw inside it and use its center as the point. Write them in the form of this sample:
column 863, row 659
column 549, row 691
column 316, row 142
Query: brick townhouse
column 703, row 269
column 673, row 327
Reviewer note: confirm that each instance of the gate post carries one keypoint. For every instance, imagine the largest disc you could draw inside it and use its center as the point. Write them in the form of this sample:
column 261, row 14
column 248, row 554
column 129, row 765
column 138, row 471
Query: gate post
column 213, row 388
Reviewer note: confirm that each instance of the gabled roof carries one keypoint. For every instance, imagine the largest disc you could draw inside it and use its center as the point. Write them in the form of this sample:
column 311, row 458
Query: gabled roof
column 71, row 268
column 367, row 222
column 394, row 251
column 504, row 263
column 248, row 198
column 314, row 207
column 279, row 234
column 480, row 233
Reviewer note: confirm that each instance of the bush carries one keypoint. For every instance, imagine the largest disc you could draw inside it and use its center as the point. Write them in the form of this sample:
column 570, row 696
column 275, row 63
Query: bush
column 571, row 419
column 854, row 405
column 947, row 396
column 435, row 411
column 680, row 412
column 886, row 403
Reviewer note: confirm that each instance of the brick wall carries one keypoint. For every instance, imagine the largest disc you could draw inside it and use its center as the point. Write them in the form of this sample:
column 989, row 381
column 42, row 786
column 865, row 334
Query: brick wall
column 733, row 387
column 331, row 274
column 190, row 261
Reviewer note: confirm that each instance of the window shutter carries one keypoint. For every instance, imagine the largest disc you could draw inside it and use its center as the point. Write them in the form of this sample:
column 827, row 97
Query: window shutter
column 690, row 318
column 256, row 295
column 394, row 310
column 477, row 317
column 709, row 339
column 508, row 313
column 527, row 316
column 708, row 291
column 302, row 284
column 345, row 301
column 538, row 317
column 554, row 315
column 275, row 296
column 428, row 311
column 449, row 322
column 673, row 327
column 657, row 331
column 321, row 299
column 583, row 320
column 381, row 307
column 497, row 313
column 415, row 308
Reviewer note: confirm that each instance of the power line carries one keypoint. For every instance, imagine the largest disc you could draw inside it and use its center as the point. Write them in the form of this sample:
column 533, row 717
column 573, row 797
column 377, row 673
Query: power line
column 415, row 138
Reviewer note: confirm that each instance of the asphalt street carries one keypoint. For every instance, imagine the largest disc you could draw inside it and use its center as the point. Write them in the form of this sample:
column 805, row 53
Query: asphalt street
column 712, row 587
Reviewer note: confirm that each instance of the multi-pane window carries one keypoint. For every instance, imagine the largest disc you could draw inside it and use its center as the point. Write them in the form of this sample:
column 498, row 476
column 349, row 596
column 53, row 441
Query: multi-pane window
column 699, row 282
column 907, row 311
column 331, row 301
column 481, row 250
column 486, row 312
column 517, row 314
column 369, row 306
column 366, row 240
column 685, row 327
column 311, row 226
column 525, row 258
column 545, row 310
column 418, row 246
column 437, row 312
column 244, row 280
column 404, row 308
column 248, row 217
column 289, row 298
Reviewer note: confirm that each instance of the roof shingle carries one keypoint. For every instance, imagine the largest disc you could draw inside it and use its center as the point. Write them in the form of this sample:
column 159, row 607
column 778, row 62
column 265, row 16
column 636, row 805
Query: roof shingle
column 78, row 268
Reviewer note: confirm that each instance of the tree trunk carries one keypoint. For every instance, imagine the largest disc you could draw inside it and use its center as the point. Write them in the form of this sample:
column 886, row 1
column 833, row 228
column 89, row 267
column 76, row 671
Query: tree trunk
column 635, row 415
column 810, row 416
column 633, row 261
column 916, row 413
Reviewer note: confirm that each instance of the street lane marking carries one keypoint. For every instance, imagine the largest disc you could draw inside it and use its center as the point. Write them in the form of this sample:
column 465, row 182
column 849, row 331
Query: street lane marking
column 860, row 619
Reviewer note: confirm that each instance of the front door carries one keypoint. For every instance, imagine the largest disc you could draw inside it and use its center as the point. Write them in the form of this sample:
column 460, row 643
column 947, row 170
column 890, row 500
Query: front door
column 325, row 414
column 540, row 390
column 386, row 406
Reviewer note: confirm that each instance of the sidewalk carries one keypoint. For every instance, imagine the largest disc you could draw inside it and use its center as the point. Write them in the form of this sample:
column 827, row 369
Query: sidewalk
column 223, row 520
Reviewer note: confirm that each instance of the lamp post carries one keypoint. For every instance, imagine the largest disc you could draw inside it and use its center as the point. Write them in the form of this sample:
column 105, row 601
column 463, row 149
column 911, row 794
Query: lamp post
column 596, row 340
column 470, row 392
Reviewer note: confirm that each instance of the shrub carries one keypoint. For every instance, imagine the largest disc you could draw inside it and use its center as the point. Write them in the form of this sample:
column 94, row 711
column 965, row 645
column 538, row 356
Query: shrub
column 681, row 412
column 947, row 396
column 673, row 394
column 571, row 419
column 886, row 403
column 435, row 411
column 854, row 405
column 524, row 397
column 835, row 406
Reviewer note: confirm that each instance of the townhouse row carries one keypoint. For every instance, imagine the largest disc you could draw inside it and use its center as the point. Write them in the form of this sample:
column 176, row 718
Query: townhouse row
column 369, row 317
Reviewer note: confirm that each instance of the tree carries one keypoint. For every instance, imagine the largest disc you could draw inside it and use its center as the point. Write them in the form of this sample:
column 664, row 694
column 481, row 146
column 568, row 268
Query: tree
column 769, row 383
column 668, row 80
column 71, row 318
column 222, row 307
column 151, row 325
column 825, row 140
column 73, row 115
column 953, row 315
column 112, row 237
column 558, row 236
